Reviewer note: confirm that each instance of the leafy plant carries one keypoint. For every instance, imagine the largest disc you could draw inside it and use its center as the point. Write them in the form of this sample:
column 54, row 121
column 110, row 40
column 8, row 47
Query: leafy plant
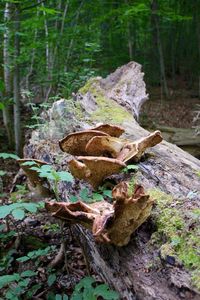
column 86, row 289
column 18, row 210
column 130, row 168
column 18, row 284
column 8, row 155
column 36, row 254
column 47, row 171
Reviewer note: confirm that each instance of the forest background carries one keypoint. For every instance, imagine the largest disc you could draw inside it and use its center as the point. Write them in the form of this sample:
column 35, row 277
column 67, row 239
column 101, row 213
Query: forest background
column 50, row 48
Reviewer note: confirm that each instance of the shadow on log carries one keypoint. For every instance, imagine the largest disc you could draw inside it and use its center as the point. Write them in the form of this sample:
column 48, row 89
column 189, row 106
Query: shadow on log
column 161, row 261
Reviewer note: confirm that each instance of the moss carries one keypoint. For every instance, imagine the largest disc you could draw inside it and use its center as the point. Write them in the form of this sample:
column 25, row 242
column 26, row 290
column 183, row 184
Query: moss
column 108, row 109
column 173, row 226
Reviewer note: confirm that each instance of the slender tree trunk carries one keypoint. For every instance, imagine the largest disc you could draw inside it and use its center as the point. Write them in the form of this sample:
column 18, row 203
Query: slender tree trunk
column 7, row 76
column 154, row 8
column 32, row 58
column 129, row 35
column 16, row 82
column 198, row 37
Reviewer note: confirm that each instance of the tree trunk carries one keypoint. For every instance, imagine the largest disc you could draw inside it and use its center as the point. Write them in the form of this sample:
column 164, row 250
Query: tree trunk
column 16, row 82
column 7, row 119
column 156, row 264
column 154, row 7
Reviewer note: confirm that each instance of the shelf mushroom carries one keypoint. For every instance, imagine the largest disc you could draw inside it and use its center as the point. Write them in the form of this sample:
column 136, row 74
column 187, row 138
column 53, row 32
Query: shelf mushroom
column 94, row 169
column 109, row 222
column 122, row 149
column 112, row 130
column 75, row 143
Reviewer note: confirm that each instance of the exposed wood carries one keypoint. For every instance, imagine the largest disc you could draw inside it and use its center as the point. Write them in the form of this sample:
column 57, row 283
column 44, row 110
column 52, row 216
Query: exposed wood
column 138, row 270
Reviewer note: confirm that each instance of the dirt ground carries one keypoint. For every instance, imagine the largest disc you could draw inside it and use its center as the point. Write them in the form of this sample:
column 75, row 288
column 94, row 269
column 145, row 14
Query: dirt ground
column 177, row 111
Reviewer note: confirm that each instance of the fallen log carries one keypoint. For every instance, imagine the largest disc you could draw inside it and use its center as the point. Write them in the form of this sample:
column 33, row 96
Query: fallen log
column 185, row 138
column 161, row 261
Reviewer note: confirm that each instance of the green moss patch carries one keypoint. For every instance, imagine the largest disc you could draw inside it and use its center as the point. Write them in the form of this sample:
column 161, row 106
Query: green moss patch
column 179, row 232
column 108, row 110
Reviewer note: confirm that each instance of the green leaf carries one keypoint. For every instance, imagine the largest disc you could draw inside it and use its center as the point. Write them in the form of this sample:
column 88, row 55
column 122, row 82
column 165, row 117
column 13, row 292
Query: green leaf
column 84, row 194
column 65, row 176
column 97, row 197
column 73, row 199
column 8, row 155
column 6, row 279
column 132, row 167
column 28, row 273
column 33, row 290
column 5, row 211
column 58, row 297
column 23, row 258
column 86, row 282
column 2, row 106
column 2, row 173
column 18, row 214
column 65, row 297
column 107, row 193
column 24, row 282
column 104, row 291
column 31, row 207
column 51, row 279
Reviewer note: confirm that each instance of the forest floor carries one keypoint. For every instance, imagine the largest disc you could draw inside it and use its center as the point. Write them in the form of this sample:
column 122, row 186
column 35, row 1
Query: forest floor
column 177, row 111
column 40, row 231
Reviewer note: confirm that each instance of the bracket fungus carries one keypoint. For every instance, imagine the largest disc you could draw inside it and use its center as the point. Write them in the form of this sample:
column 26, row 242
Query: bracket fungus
column 38, row 185
column 109, row 223
column 75, row 143
column 94, row 169
column 122, row 149
column 112, row 130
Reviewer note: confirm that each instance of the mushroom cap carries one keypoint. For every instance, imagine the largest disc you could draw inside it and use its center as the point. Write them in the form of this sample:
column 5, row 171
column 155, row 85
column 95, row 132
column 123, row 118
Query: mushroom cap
column 32, row 174
column 133, row 151
column 94, row 169
column 112, row 130
column 105, row 146
column 75, row 143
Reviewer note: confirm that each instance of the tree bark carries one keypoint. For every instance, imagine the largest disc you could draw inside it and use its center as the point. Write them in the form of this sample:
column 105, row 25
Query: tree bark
column 154, row 7
column 7, row 119
column 16, row 82
column 141, row 270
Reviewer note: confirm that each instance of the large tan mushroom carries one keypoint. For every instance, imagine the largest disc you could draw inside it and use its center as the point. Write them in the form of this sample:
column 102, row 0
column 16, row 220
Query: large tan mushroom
column 112, row 130
column 94, row 169
column 38, row 185
column 105, row 146
column 75, row 143
column 133, row 151
column 122, row 149
column 109, row 223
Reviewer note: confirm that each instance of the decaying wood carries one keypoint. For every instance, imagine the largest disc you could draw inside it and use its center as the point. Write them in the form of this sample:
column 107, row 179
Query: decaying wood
column 138, row 270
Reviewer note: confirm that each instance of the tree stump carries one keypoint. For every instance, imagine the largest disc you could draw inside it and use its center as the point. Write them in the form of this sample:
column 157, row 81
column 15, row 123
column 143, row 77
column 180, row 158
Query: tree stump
column 161, row 262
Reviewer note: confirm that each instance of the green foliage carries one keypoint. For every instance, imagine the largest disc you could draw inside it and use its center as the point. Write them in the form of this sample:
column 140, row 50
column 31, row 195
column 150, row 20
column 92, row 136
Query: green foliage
column 86, row 196
column 86, row 290
column 18, row 284
column 129, row 168
column 32, row 255
column 18, row 210
column 8, row 155
column 51, row 279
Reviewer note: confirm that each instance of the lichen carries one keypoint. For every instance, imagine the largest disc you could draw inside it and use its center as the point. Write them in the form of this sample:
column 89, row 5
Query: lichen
column 178, row 230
